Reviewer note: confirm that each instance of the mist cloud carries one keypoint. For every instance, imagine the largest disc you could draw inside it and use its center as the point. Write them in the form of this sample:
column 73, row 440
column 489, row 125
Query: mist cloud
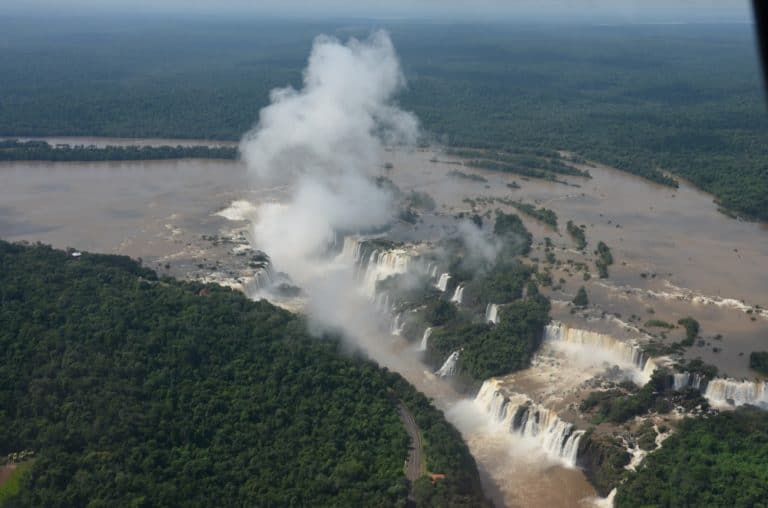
column 326, row 140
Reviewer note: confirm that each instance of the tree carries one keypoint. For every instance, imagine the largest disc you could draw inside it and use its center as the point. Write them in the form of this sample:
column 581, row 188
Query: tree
column 581, row 300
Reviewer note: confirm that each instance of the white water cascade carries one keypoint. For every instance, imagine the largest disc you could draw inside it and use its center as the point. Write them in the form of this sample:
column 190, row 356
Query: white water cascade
column 425, row 339
column 687, row 379
column 382, row 302
column 449, row 367
column 532, row 421
column 599, row 348
column 263, row 278
column 458, row 294
column 442, row 282
column 492, row 313
column 398, row 323
column 731, row 392
column 380, row 263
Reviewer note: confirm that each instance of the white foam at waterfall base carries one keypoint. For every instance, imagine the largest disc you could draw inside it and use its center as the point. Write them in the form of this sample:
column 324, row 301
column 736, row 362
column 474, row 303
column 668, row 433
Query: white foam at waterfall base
column 442, row 283
column 492, row 313
column 449, row 366
column 425, row 339
column 593, row 349
column 533, row 422
column 725, row 392
column 604, row 502
column 240, row 210
column 458, row 294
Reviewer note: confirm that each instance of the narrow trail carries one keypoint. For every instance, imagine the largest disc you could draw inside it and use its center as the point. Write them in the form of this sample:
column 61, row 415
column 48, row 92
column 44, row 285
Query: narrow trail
column 415, row 458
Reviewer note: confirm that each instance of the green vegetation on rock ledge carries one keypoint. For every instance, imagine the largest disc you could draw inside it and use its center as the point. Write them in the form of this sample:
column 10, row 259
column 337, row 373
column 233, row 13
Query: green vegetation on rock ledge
column 604, row 259
column 625, row 401
column 581, row 299
column 759, row 361
column 467, row 176
column 716, row 461
column 544, row 215
column 511, row 227
column 495, row 350
column 577, row 233
column 134, row 390
column 658, row 323
column 691, row 330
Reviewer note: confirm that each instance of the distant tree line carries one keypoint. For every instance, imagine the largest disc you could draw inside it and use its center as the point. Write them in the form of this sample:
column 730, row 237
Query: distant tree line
column 14, row 150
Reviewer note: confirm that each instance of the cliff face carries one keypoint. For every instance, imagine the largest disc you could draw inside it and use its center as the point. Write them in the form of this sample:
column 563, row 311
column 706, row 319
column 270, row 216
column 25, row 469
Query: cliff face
column 603, row 459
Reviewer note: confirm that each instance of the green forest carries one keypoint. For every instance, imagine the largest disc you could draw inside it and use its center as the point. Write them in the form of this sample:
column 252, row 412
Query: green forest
column 14, row 150
column 716, row 461
column 134, row 390
column 645, row 98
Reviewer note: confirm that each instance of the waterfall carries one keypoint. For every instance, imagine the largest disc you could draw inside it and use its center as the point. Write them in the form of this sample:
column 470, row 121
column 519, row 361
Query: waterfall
column 449, row 367
column 492, row 313
column 398, row 323
column 425, row 339
column 382, row 302
column 682, row 380
column 433, row 272
column 731, row 392
column 352, row 251
column 263, row 277
column 374, row 266
column 383, row 264
column 442, row 283
column 520, row 416
column 458, row 294
column 599, row 348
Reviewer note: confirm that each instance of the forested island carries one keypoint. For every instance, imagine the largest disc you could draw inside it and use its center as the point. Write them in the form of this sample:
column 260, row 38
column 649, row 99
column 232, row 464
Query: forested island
column 129, row 389
column 14, row 150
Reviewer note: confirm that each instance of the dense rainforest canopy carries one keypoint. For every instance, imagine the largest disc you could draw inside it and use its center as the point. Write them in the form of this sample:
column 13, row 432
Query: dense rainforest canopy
column 686, row 98
column 138, row 391
column 716, row 461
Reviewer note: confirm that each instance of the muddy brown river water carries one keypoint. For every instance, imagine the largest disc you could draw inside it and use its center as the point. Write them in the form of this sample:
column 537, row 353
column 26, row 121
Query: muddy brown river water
column 705, row 264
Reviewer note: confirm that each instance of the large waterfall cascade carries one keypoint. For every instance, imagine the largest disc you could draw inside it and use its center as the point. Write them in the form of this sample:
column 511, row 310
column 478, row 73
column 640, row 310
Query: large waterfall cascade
column 398, row 323
column 379, row 265
column 607, row 347
column 492, row 313
column 263, row 278
column 521, row 416
column 725, row 392
column 449, row 366
column 442, row 282
column 425, row 339
column 732, row 392
column 683, row 380
column 458, row 294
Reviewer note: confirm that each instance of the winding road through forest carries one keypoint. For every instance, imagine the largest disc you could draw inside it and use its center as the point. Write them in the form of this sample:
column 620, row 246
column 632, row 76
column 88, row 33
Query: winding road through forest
column 413, row 464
